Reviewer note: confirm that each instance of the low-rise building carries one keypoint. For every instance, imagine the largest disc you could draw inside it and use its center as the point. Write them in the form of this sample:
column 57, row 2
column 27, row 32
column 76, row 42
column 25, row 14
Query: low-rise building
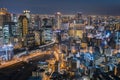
column 6, row 52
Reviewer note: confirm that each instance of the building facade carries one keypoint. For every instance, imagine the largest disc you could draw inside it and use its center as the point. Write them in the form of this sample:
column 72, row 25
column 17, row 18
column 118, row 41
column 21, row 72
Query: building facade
column 4, row 17
column 6, row 52
column 23, row 24
column 9, row 32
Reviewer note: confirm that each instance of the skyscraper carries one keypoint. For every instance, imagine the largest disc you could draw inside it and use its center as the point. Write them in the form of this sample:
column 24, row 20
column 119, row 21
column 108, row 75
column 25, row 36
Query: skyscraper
column 79, row 18
column 37, row 22
column 4, row 17
column 27, row 13
column 23, row 25
column 9, row 32
column 58, row 20
column 23, row 28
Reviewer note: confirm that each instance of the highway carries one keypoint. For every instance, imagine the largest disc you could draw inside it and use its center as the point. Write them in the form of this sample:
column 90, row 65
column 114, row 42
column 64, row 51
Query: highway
column 21, row 68
column 25, row 58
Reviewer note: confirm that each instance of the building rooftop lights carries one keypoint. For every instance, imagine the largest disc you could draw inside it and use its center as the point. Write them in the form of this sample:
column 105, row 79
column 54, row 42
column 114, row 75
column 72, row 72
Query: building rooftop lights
column 58, row 13
column 3, row 11
column 26, row 11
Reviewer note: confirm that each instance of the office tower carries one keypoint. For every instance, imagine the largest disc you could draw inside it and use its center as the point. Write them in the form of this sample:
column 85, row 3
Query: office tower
column 9, row 32
column 58, row 20
column 37, row 22
column 52, row 21
column 30, row 38
column 14, row 18
column 6, row 52
column 37, row 37
column 78, row 18
column 117, row 26
column 79, row 15
column 23, row 25
column 27, row 13
column 89, row 20
column 4, row 17
column 47, row 33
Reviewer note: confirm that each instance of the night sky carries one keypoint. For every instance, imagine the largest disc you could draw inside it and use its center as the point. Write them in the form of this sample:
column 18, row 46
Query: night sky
column 99, row 7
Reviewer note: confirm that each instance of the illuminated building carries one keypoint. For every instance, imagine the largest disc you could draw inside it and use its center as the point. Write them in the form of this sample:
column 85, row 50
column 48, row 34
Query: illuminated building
column 14, row 17
column 4, row 17
column 89, row 20
column 47, row 33
column 76, row 30
column 37, row 22
column 23, row 28
column 30, row 38
column 79, row 18
column 6, row 52
column 27, row 13
column 47, row 22
column 73, row 65
column 117, row 37
column 65, row 26
column 117, row 26
column 58, row 18
column 9, row 32
column 37, row 37
column 23, row 24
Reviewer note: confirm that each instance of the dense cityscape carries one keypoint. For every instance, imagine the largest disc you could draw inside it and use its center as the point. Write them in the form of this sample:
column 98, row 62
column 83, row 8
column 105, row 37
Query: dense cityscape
column 59, row 46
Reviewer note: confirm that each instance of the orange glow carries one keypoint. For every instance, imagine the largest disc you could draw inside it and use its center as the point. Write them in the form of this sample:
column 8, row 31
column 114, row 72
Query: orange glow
column 2, row 13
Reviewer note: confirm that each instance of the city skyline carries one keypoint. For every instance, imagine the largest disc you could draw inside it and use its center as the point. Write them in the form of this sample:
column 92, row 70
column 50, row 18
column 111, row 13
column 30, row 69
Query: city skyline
column 63, row 40
column 94, row 7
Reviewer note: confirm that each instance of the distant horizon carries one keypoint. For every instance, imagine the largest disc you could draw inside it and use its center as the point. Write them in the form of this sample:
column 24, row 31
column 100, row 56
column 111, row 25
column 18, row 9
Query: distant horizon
column 88, row 7
column 59, row 11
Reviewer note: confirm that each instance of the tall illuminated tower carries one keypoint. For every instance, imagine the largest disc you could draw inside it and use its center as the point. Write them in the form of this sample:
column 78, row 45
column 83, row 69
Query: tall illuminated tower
column 4, row 17
column 58, row 17
column 27, row 13
column 9, row 32
column 23, row 28
column 23, row 24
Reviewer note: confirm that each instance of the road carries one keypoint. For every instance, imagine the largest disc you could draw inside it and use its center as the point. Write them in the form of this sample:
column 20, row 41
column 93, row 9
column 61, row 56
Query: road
column 21, row 70
column 25, row 58
column 21, row 59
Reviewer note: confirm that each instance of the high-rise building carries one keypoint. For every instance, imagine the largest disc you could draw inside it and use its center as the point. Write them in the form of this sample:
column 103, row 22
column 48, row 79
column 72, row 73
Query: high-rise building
column 30, row 38
column 9, row 32
column 14, row 18
column 4, row 17
column 23, row 28
column 23, row 25
column 79, row 19
column 47, row 33
column 117, row 26
column 46, row 22
column 89, row 20
column 37, row 37
column 27, row 13
column 58, row 20
column 37, row 22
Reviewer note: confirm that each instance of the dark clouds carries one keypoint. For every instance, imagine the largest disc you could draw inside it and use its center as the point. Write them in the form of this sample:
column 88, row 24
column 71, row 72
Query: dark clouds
column 105, row 7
